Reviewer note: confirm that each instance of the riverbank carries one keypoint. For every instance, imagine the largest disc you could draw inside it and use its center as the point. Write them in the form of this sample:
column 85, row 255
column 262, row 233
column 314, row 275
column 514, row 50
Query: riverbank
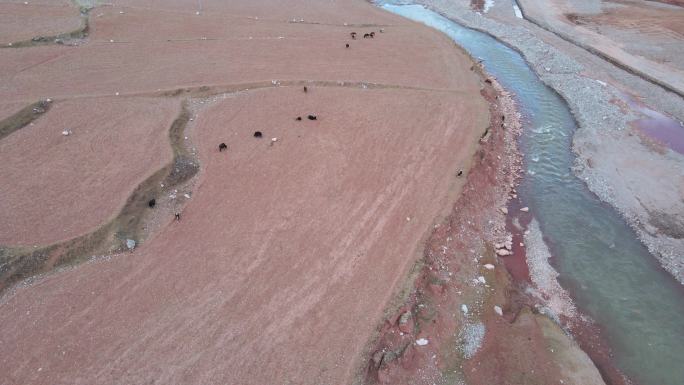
column 607, row 272
column 625, row 165
column 465, row 320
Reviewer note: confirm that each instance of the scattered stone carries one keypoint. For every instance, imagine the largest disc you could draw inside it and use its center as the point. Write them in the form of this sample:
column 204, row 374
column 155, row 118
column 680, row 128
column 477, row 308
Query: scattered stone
column 504, row 210
column 503, row 252
column 66, row 132
column 464, row 309
column 481, row 279
column 405, row 323
column 187, row 196
column 130, row 244
column 525, row 209
column 497, row 310
column 422, row 342
column 489, row 266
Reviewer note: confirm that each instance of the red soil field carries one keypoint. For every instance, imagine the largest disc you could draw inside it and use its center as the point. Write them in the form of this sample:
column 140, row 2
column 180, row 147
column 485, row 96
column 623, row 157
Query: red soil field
column 287, row 254
column 19, row 21
column 64, row 186
column 283, row 260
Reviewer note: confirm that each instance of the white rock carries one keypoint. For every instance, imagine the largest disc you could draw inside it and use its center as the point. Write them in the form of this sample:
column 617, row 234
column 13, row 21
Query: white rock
column 130, row 243
column 117, row 94
column 525, row 209
column 497, row 310
column 489, row 266
column 197, row 13
column 503, row 252
column 464, row 309
column 186, row 196
column 422, row 342
column 274, row 139
column 481, row 279
column 65, row 132
column 504, row 210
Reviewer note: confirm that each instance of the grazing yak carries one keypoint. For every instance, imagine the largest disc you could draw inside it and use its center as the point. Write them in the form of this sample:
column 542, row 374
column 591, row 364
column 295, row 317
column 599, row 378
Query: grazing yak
column 222, row 147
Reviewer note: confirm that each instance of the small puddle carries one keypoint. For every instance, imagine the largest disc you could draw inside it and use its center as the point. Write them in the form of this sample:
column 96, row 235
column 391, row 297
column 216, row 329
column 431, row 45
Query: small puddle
column 610, row 275
column 657, row 126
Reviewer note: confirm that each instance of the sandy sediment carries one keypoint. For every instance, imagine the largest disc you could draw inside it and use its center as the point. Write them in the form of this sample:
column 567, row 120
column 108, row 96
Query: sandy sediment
column 615, row 159
column 644, row 38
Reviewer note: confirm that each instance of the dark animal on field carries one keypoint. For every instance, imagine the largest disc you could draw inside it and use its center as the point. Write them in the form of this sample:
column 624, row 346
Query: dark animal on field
column 258, row 134
column 347, row 45
column 366, row 35
column 222, row 147
column 503, row 117
column 353, row 35
column 299, row 118
column 152, row 202
column 372, row 35
column 460, row 172
column 312, row 117
column 177, row 216
column 306, row 89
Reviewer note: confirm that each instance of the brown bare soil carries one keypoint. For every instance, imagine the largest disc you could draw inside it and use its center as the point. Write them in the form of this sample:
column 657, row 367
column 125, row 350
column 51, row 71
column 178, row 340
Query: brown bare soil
column 19, row 23
column 65, row 186
column 288, row 250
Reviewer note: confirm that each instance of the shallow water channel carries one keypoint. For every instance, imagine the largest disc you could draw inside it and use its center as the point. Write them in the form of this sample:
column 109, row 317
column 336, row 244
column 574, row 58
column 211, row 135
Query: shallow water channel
column 609, row 273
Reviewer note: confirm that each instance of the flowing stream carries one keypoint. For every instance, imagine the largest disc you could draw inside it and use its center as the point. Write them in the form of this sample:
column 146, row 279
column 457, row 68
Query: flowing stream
column 609, row 273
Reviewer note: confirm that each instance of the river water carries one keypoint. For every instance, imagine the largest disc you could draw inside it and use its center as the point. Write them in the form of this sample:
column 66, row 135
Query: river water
column 609, row 273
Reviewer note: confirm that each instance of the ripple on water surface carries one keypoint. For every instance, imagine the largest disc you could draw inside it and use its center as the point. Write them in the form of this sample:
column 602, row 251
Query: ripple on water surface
column 609, row 273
